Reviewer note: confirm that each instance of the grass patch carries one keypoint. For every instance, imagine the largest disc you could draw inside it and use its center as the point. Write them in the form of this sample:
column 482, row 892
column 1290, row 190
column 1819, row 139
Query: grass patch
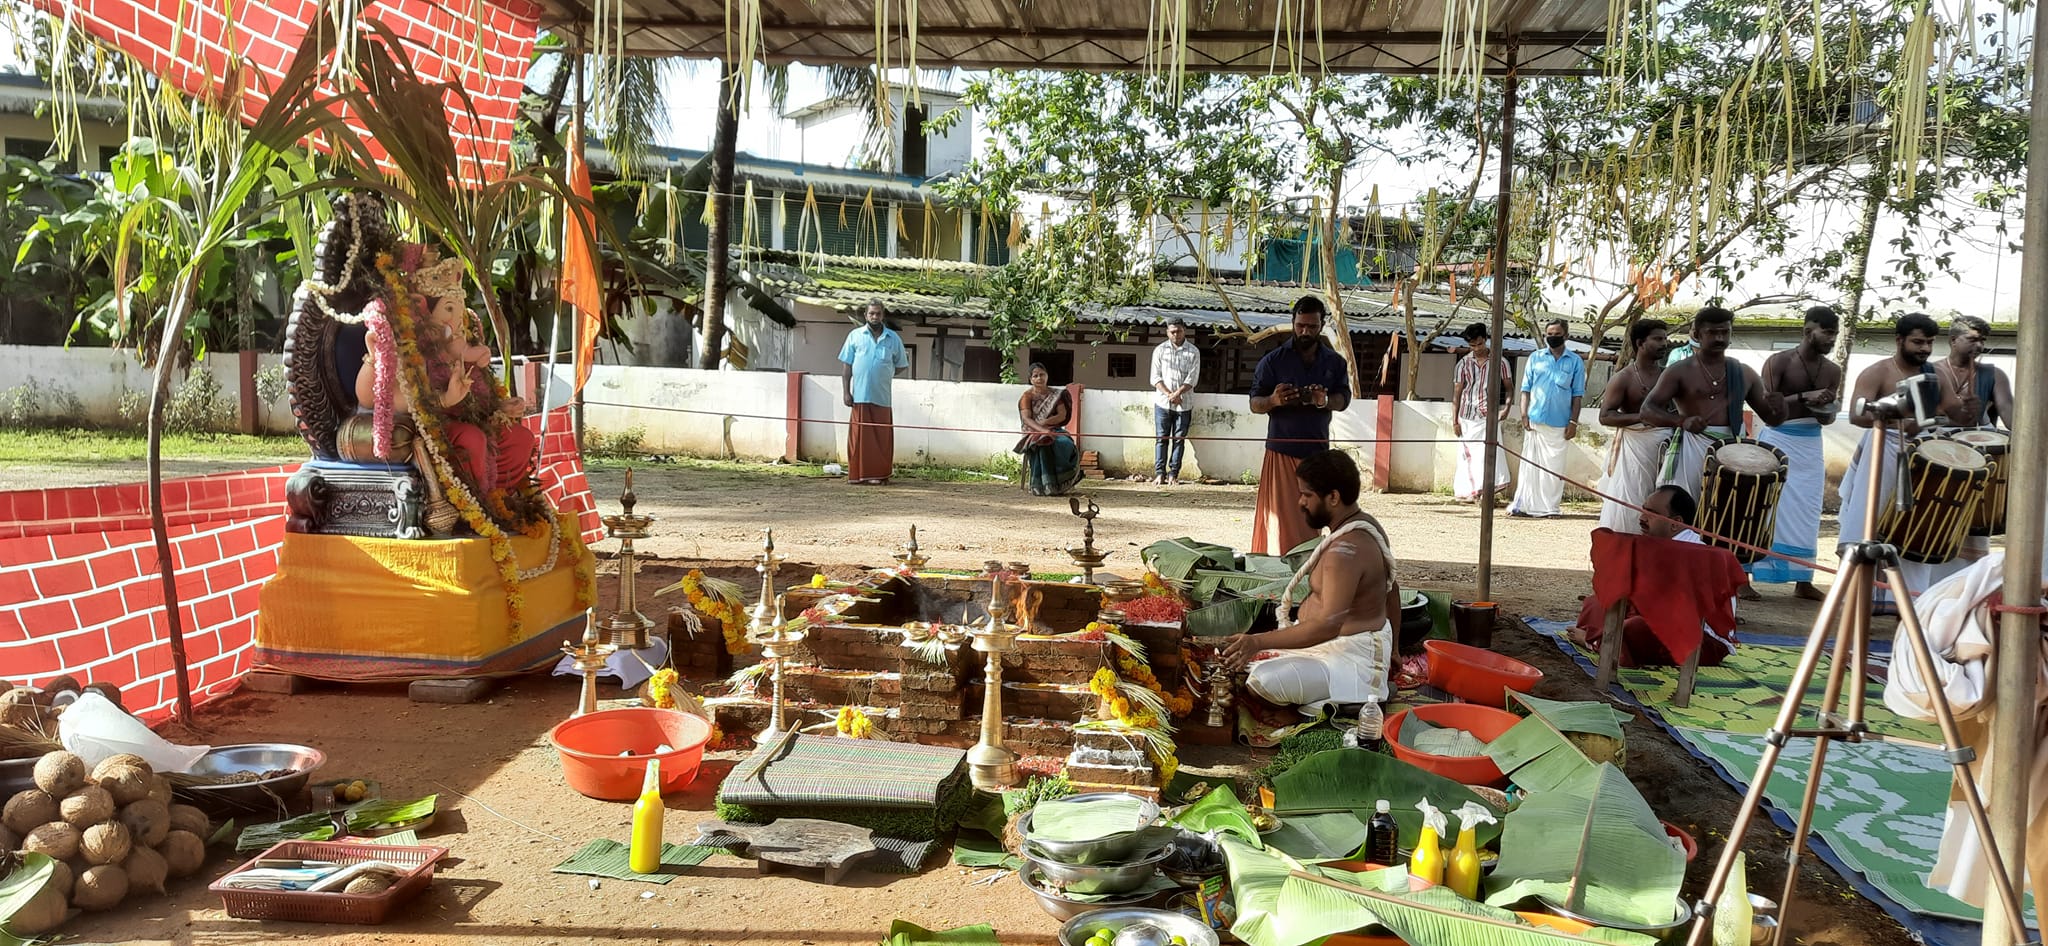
column 82, row 446
column 614, row 459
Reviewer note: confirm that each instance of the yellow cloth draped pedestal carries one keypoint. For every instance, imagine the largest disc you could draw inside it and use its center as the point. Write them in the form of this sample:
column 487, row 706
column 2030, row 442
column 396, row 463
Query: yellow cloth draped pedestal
column 361, row 609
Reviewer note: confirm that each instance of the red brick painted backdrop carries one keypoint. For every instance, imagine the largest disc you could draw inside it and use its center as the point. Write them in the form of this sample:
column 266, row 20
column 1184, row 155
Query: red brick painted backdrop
column 80, row 595
column 483, row 45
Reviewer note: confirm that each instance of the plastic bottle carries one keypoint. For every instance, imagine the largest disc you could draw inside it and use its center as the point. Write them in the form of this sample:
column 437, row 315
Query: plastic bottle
column 1462, row 874
column 644, row 857
column 1427, row 862
column 1383, row 843
column 1372, row 722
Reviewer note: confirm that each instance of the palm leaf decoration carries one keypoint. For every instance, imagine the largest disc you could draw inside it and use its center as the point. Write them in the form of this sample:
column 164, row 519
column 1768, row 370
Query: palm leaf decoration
column 1623, row 869
column 1539, row 752
column 1353, row 780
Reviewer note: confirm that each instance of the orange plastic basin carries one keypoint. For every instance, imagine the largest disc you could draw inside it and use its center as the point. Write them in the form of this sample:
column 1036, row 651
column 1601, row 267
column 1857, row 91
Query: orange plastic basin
column 1477, row 676
column 590, row 745
column 1484, row 722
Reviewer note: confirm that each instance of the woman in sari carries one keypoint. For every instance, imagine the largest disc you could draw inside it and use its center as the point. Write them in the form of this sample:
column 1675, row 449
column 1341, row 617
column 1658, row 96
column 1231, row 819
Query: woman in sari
column 1051, row 463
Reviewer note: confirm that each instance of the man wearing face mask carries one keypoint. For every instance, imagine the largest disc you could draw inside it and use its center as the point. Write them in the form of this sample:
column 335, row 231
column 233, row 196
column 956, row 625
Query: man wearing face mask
column 1298, row 386
column 1553, row 389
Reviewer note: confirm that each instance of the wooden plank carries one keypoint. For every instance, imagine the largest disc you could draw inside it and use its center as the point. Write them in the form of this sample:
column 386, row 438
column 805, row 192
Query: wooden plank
column 1610, row 644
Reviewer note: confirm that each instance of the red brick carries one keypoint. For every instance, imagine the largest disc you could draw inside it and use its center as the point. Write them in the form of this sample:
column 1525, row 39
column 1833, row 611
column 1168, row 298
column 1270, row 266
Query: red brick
column 112, row 568
column 49, row 618
column 139, row 596
column 225, row 577
column 82, row 648
column 150, row 661
column 132, row 633
column 100, row 607
column 247, row 600
column 77, row 544
column 214, row 612
column 26, row 505
column 11, row 629
column 16, row 587
column 26, row 659
column 238, row 541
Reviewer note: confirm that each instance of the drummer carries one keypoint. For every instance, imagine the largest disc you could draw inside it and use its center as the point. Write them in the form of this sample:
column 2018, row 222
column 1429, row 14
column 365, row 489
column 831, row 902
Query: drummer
column 1983, row 394
column 1914, row 345
column 1807, row 381
column 1702, row 396
column 1637, row 452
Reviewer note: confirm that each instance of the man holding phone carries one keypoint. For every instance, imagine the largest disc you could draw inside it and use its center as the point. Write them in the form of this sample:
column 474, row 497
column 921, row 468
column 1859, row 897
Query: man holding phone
column 1298, row 386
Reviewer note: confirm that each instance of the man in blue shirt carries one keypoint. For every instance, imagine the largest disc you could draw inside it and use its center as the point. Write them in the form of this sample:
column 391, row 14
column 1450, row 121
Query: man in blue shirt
column 870, row 359
column 1553, row 387
column 1298, row 386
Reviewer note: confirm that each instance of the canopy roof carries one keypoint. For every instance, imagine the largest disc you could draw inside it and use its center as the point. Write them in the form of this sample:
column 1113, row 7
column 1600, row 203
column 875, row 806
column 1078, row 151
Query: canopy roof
column 1385, row 36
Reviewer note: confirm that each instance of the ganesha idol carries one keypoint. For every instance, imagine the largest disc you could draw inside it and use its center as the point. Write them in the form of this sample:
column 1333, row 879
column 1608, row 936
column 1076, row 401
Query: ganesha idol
column 418, row 542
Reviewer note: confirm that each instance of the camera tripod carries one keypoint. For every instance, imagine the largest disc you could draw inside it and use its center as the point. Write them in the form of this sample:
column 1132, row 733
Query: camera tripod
column 1845, row 614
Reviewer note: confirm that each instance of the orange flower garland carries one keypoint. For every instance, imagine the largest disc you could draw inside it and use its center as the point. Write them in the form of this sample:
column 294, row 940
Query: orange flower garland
column 1177, row 704
column 728, row 615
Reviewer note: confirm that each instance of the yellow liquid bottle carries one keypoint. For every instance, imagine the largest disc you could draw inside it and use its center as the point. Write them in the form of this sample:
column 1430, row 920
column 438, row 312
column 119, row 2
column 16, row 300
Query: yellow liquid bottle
column 1428, row 860
column 1463, row 873
column 645, row 855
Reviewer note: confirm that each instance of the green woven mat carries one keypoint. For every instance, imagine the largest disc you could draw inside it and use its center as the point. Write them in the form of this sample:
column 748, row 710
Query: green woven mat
column 1744, row 694
column 821, row 770
column 1880, row 808
column 605, row 857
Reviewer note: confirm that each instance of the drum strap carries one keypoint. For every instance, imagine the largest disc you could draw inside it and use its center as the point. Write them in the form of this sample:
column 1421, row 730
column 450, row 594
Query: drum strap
column 1986, row 408
column 1736, row 395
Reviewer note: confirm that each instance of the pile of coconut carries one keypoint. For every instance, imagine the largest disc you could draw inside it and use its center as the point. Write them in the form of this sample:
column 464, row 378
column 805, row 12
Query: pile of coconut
column 113, row 831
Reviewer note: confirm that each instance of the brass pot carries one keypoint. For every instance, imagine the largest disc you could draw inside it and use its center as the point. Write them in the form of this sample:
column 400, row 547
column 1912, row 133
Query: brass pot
column 356, row 441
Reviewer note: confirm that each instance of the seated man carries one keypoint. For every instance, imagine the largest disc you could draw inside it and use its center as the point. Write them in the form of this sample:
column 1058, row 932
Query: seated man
column 1668, row 515
column 1337, row 648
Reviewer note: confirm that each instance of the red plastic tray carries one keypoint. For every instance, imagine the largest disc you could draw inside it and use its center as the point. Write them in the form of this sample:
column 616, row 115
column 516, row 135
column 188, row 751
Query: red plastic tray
column 324, row 907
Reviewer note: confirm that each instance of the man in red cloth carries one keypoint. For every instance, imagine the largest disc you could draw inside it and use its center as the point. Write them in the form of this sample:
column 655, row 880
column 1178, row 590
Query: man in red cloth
column 1299, row 387
column 1668, row 514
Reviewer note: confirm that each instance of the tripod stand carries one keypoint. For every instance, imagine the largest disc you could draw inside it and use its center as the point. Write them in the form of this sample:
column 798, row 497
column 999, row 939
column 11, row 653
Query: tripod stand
column 1845, row 614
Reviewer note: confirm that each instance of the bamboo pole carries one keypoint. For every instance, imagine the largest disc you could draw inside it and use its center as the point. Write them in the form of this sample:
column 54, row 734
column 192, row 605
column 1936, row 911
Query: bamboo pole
column 1500, row 309
column 2019, row 637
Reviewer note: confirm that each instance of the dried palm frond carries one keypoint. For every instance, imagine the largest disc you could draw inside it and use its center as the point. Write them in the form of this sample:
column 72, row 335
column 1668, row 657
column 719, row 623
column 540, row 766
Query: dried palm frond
column 1158, row 741
column 19, row 743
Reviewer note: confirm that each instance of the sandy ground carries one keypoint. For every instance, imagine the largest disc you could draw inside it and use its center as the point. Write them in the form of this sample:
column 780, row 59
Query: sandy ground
column 508, row 816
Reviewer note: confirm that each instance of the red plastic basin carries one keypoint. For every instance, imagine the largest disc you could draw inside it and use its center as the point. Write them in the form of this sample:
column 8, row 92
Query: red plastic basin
column 1477, row 676
column 1484, row 722
column 590, row 746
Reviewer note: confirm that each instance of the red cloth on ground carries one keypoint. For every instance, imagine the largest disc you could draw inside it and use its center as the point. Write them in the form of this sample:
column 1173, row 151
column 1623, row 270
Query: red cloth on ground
column 871, row 443
column 1278, row 524
column 1639, row 645
column 1675, row 586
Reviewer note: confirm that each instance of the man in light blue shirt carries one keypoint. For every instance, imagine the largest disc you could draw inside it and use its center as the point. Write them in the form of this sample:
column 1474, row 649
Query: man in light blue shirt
column 869, row 361
column 1553, row 387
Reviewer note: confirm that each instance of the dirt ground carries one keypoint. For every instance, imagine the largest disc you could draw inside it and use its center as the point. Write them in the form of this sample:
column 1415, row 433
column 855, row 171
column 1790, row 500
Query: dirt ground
column 508, row 816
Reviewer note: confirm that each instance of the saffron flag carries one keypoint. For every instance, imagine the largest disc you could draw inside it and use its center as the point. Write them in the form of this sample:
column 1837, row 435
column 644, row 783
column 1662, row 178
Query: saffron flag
column 482, row 46
column 581, row 285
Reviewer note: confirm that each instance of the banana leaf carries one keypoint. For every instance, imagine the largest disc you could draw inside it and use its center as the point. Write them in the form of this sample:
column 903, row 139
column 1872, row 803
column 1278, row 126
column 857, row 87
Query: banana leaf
column 906, row 933
column 1353, row 780
column 974, row 849
column 1257, row 879
column 21, row 886
column 362, row 816
column 1592, row 845
column 1080, row 892
column 1438, row 917
column 1536, row 755
column 1589, row 716
column 1238, row 583
column 1177, row 559
column 1271, row 566
column 1334, row 835
column 1088, row 819
column 1225, row 618
column 1219, row 810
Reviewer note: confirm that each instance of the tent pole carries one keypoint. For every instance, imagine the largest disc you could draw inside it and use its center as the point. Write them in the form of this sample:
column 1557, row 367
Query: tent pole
column 1500, row 309
column 2019, row 635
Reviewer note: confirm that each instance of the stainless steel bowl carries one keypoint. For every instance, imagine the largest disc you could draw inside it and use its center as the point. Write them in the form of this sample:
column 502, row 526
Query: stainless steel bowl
column 1097, row 878
column 1684, row 916
column 266, row 795
column 1112, row 849
column 1077, row 930
column 1062, row 908
column 16, row 775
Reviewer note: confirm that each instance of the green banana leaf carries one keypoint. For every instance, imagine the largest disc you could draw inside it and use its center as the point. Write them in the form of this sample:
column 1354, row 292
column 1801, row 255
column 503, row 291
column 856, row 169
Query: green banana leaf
column 1589, row 716
column 1536, row 754
column 1353, row 780
column 1338, row 834
column 1438, row 917
column 1087, row 819
column 315, row 826
column 1177, row 559
column 906, row 933
column 1224, row 618
column 1238, row 583
column 974, row 849
column 21, row 886
column 1271, row 566
column 1219, row 810
column 1257, row 879
column 1592, row 845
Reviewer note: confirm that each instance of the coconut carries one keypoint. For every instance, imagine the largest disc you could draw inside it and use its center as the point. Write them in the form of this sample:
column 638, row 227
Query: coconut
column 60, row 773
column 190, row 819
column 64, row 683
column 147, row 821
column 10, row 840
column 160, row 789
column 184, row 852
column 42, row 912
column 117, row 760
column 28, row 809
column 106, row 843
column 86, row 807
column 108, row 690
column 100, row 888
column 125, row 782
column 146, row 870
column 57, row 839
column 61, row 876
column 368, row 883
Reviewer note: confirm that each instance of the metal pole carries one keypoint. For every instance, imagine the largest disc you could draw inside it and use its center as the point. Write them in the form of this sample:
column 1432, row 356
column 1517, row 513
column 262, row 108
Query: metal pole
column 1500, row 310
column 576, row 393
column 2019, row 635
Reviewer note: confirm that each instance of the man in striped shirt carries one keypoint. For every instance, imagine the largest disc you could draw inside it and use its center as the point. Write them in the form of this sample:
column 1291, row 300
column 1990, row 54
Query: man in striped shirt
column 1176, row 366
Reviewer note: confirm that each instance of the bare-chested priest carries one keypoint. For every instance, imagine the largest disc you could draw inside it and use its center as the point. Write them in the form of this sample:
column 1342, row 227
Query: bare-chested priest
column 1337, row 649
column 1637, row 452
column 1809, row 384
